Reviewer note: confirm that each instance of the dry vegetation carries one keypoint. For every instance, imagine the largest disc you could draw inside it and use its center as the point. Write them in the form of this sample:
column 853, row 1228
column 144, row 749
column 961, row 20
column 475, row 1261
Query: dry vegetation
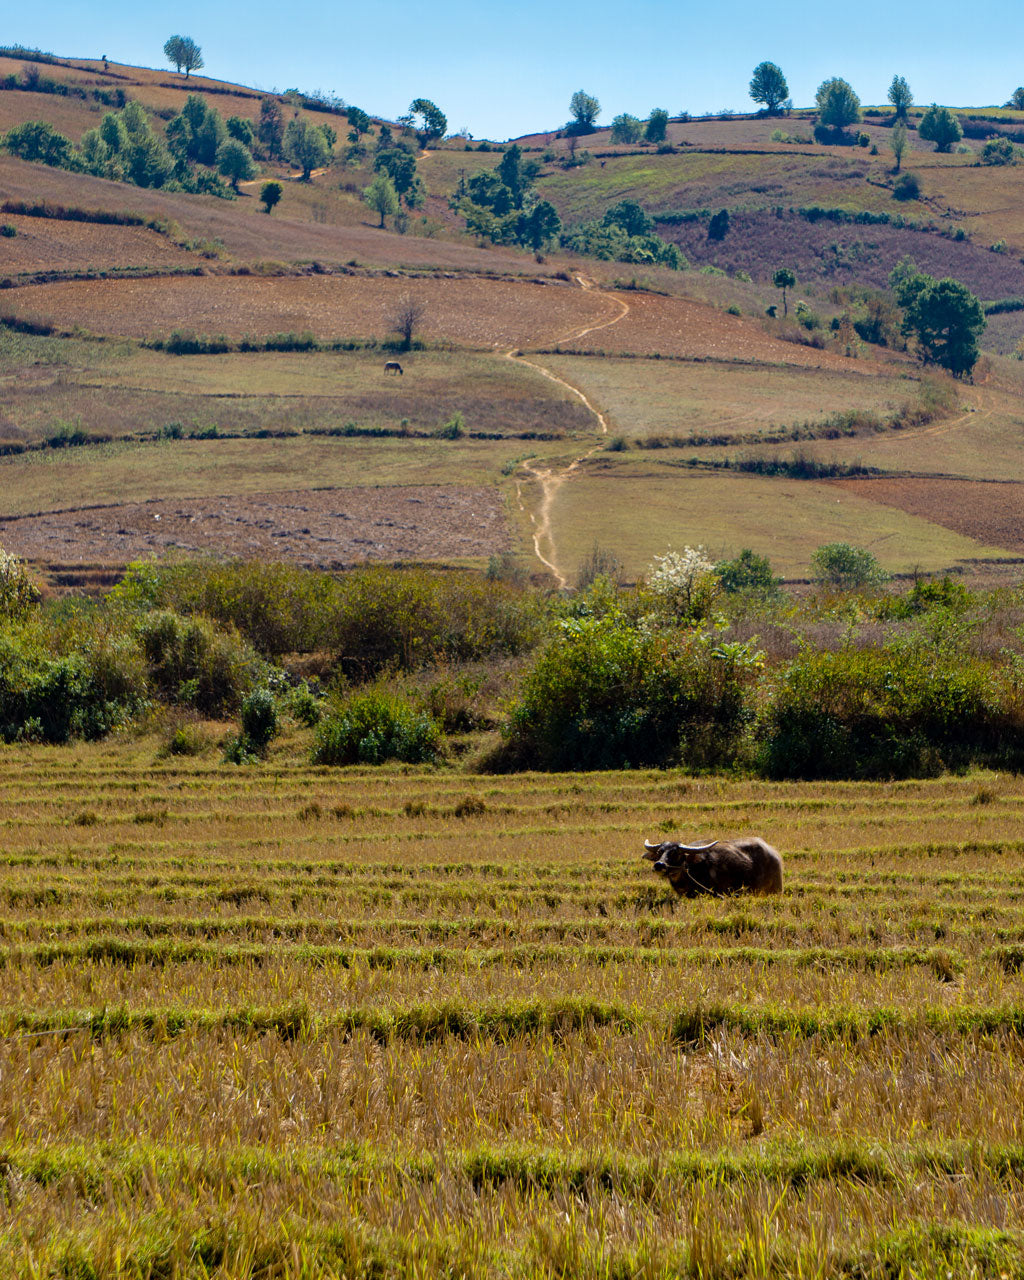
column 297, row 1022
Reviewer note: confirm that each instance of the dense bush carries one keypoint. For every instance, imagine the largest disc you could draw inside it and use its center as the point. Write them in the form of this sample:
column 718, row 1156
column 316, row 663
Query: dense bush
column 748, row 572
column 375, row 726
column 193, row 663
column 55, row 688
column 888, row 712
column 605, row 695
column 845, row 568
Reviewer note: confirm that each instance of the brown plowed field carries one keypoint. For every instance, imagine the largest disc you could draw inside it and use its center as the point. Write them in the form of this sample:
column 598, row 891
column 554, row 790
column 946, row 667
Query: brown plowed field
column 248, row 234
column 46, row 244
column 989, row 511
column 327, row 528
column 469, row 312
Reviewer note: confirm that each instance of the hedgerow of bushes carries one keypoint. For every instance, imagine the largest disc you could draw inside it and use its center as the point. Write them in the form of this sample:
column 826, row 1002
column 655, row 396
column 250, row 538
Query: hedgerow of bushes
column 856, row 681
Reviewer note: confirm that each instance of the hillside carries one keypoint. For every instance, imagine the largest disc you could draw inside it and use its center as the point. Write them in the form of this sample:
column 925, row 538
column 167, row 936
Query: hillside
column 163, row 347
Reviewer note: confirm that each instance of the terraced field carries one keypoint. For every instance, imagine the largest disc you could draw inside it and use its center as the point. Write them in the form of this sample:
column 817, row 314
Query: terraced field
column 286, row 1021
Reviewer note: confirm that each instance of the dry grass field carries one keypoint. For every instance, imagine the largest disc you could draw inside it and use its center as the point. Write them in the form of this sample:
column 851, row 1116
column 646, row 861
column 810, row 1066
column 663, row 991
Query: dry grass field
column 293, row 1022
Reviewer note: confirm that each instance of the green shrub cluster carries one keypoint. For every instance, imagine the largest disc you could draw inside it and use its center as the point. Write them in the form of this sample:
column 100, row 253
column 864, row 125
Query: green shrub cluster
column 375, row 726
column 898, row 711
column 193, row 663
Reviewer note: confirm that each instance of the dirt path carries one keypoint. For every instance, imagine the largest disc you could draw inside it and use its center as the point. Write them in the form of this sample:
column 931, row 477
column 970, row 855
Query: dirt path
column 552, row 478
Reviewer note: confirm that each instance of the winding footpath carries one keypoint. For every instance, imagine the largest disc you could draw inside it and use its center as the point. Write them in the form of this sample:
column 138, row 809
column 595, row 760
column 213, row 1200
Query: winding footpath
column 552, row 478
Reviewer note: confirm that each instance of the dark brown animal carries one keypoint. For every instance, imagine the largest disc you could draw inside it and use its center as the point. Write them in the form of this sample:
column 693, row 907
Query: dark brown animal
column 392, row 366
column 747, row 865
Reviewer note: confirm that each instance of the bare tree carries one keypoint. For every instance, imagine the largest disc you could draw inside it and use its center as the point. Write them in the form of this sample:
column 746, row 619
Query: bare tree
column 406, row 316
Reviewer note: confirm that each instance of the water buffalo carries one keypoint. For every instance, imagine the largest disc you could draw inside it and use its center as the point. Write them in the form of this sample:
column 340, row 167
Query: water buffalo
column 747, row 865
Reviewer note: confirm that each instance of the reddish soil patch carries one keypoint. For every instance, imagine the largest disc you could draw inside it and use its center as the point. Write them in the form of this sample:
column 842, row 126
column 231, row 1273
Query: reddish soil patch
column 469, row 312
column 676, row 327
column 47, row 244
column 987, row 510
column 324, row 528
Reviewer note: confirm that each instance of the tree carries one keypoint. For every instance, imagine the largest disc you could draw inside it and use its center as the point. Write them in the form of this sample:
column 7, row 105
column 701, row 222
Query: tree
column 405, row 318
column 433, row 121
column 585, row 110
column 306, row 146
column 900, row 97
column 270, row 126
column 945, row 317
column 541, row 224
column 899, row 142
column 381, row 196
column 769, row 87
column 270, row 194
column 172, row 51
column 838, row 105
column 517, row 174
column 184, row 52
column 234, row 161
column 35, row 140
column 941, row 126
column 1016, row 102
column 996, row 151
column 784, row 279
column 240, row 128
column 748, row 572
column 358, row 121
column 656, row 128
column 626, row 129
column 630, row 216
column 718, row 227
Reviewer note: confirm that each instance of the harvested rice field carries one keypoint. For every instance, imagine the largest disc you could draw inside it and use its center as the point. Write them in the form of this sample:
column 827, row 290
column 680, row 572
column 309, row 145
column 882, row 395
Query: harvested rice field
column 286, row 1021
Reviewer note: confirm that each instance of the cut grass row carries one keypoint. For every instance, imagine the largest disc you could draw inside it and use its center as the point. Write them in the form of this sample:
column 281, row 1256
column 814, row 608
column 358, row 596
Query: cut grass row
column 691, row 1027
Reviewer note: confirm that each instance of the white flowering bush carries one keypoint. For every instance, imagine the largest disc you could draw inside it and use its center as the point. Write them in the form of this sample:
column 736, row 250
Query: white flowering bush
column 17, row 592
column 683, row 583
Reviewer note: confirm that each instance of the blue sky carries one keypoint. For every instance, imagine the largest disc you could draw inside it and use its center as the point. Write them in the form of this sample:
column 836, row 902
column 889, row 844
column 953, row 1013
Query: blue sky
column 503, row 70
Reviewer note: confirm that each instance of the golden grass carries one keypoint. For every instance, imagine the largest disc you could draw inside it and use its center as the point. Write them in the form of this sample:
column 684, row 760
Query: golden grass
column 325, row 1024
column 636, row 508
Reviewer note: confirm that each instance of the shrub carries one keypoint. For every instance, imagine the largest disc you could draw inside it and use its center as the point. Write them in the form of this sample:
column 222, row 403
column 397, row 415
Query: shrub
column 259, row 719
column 18, row 594
column 846, row 568
column 998, row 151
column 8, row 230
column 192, row 663
column 907, row 187
column 375, row 726
column 604, row 695
column 305, row 706
column 895, row 712
column 748, row 572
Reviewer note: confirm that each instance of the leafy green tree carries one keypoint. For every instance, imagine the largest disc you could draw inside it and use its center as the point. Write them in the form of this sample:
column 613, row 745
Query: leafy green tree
column 18, row 593
column 35, row 140
column 184, row 52
column 541, row 224
column 400, row 166
column 270, row 194
column 718, row 227
column 241, row 129
column 172, row 51
column 1016, row 102
column 945, row 317
column 630, row 216
column 433, row 121
column 626, row 130
column 784, row 279
column 656, row 128
column 900, row 97
column 381, row 196
column 95, row 153
column 358, row 121
column 899, row 141
column 516, row 174
column 197, row 133
column 838, row 105
column 941, row 126
column 997, row 151
column 234, row 161
column 270, row 126
column 585, row 110
column 306, row 146
column 769, row 87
